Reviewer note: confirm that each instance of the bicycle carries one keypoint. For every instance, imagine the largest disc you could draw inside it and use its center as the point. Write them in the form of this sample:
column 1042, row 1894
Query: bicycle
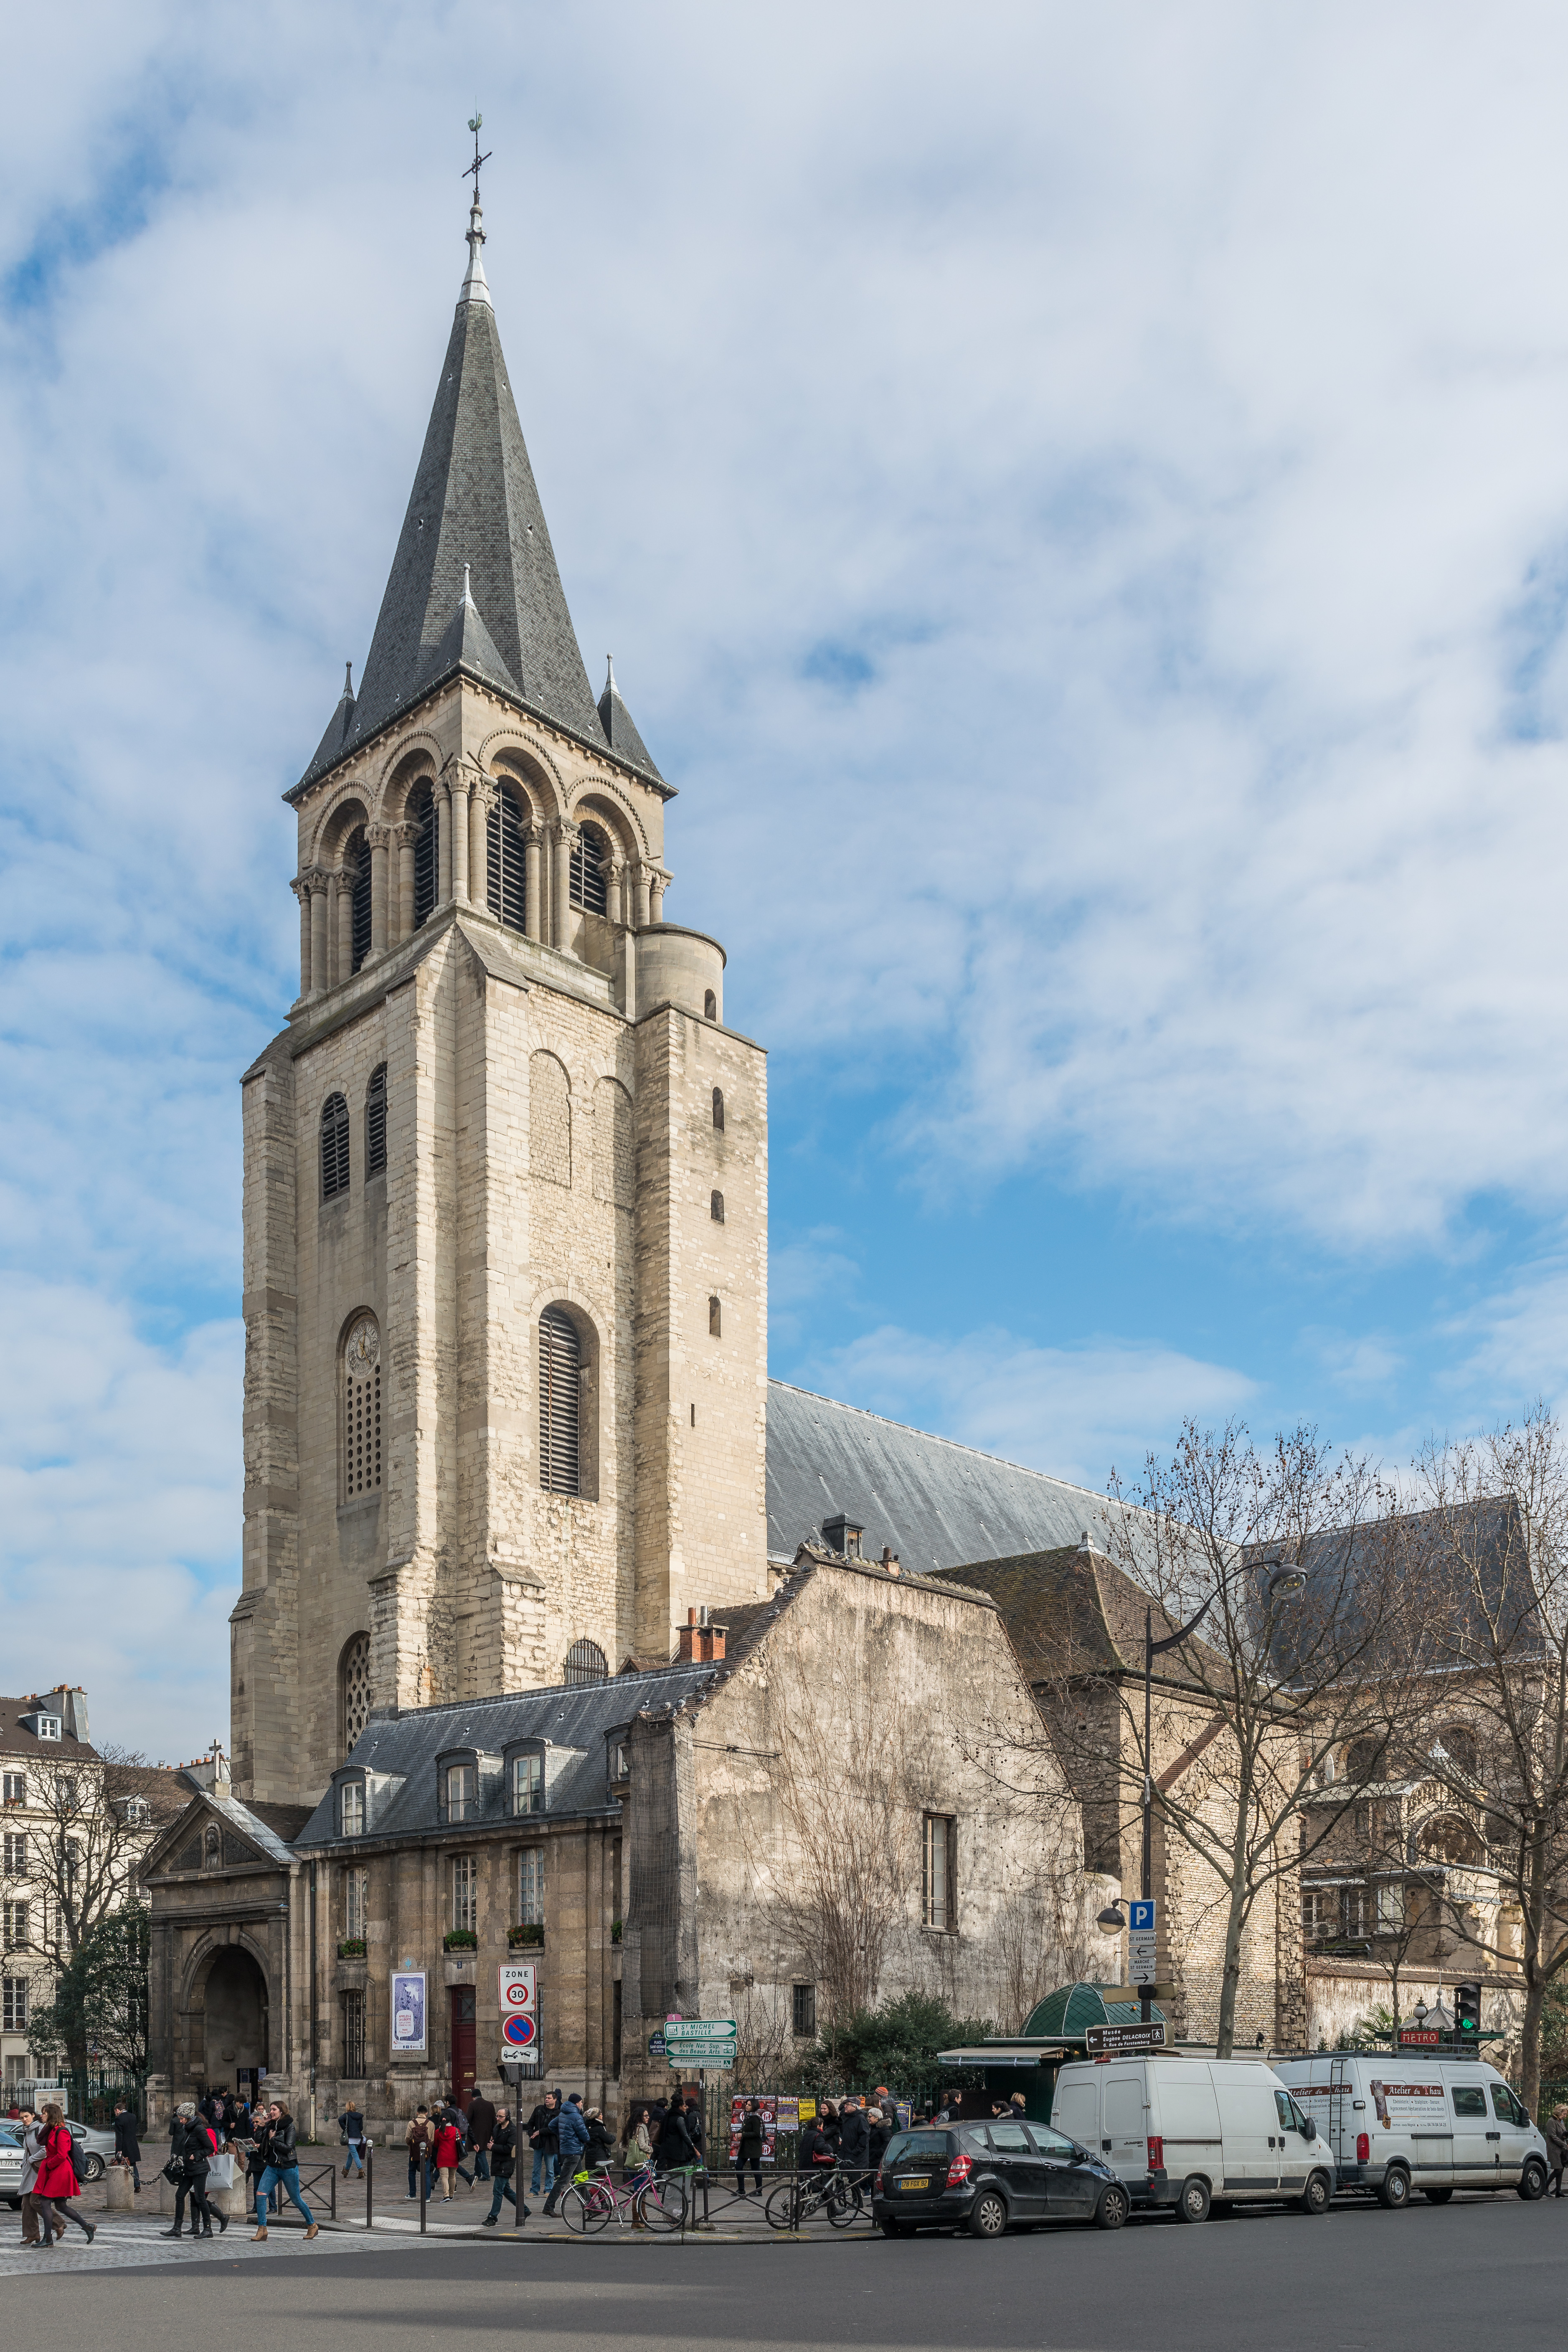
column 793, row 2202
column 594, row 2199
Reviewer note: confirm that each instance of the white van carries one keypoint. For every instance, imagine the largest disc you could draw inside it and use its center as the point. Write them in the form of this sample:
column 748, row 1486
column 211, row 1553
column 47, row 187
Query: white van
column 1179, row 2131
column 1423, row 2120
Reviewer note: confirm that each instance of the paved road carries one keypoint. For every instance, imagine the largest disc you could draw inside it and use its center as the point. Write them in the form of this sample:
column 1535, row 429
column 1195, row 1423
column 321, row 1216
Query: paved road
column 1358, row 2281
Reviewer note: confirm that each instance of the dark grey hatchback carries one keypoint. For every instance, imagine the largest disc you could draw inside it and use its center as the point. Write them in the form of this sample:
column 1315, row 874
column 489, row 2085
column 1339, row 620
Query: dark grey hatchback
column 987, row 2177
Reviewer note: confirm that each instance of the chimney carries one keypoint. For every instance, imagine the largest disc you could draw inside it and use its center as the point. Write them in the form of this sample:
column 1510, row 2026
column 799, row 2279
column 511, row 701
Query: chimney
column 69, row 1703
column 700, row 1643
column 890, row 1561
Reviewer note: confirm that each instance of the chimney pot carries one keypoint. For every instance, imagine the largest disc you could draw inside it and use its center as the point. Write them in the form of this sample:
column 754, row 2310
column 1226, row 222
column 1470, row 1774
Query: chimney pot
column 692, row 1616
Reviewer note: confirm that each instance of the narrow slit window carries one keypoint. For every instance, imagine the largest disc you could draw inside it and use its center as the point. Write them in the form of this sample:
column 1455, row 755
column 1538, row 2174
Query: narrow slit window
column 530, row 1886
column 710, row 1005
column 716, row 1207
column 506, row 879
column 353, row 2034
column 590, row 870
column 375, row 1123
column 422, row 812
column 560, row 1381
column 940, row 1892
column 335, row 1146
column 360, row 924
column 465, row 1892
column 719, row 1108
column 715, row 1320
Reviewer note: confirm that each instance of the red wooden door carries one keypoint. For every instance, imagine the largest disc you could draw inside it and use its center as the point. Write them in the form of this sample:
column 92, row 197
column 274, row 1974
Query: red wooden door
column 463, row 2044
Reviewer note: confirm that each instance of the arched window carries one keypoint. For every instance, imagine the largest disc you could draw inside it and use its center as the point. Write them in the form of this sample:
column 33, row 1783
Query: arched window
column 719, row 1108
column 1363, row 1761
column 716, row 1207
column 710, row 1005
column 211, row 1847
column 362, row 1409
column 560, row 1361
column 1459, row 1743
column 422, row 812
column 335, row 1146
column 590, row 870
column 587, row 1663
column 358, row 859
column 507, row 872
column 715, row 1320
column 353, row 1689
column 375, row 1122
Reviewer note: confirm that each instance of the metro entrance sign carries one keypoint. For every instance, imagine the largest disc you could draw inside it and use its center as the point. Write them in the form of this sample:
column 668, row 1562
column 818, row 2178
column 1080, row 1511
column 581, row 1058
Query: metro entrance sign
column 700, row 2041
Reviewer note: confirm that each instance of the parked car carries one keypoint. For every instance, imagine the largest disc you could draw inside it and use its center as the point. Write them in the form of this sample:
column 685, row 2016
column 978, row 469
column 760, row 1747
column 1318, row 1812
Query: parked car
column 987, row 2177
column 1427, row 2120
column 10, row 2167
column 1180, row 2131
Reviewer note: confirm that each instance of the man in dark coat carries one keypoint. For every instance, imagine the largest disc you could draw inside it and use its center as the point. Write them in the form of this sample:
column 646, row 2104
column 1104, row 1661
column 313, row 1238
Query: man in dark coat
column 128, row 2142
column 482, row 2131
column 749, row 2148
column 503, row 2158
column 544, row 2139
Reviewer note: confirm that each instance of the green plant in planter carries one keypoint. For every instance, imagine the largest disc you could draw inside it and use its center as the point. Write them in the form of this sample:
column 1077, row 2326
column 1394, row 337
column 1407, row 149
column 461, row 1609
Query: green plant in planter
column 615, row 1931
column 533, row 1933
column 460, row 1939
column 352, row 1947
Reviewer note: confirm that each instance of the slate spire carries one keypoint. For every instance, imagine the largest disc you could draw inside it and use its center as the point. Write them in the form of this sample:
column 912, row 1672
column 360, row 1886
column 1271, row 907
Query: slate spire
column 475, row 509
column 620, row 731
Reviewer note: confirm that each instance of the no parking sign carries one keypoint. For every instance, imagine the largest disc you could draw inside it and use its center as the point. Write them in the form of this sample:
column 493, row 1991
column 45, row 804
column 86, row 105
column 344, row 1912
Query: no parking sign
column 519, row 2008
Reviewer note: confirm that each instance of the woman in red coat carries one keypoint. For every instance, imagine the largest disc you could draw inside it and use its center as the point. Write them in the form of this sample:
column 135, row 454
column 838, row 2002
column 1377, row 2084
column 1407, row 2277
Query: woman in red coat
column 446, row 2153
column 57, row 2182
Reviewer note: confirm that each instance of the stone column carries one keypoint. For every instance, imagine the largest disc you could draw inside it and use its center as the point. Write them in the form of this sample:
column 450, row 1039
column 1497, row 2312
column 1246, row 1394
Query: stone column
column 483, row 796
column 658, row 884
column 614, row 889
column 566, row 837
column 441, row 817
column 343, row 968
column 642, row 896
column 379, row 837
column 320, row 935
column 533, row 880
column 300, row 886
column 458, row 795
column 404, row 835
column 629, row 975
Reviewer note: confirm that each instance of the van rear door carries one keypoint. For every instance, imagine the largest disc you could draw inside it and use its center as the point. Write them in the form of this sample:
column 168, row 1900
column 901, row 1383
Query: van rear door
column 1245, row 2093
column 1075, row 2109
column 1124, row 2123
column 1513, row 2121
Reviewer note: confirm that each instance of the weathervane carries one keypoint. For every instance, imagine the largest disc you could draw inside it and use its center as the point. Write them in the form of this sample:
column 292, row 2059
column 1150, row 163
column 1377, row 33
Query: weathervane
column 472, row 170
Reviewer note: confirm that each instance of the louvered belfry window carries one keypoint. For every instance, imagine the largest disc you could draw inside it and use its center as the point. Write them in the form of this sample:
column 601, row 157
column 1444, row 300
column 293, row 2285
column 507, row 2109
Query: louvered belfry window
column 361, row 905
column 335, row 1146
column 362, row 1409
column 375, row 1122
column 422, row 812
column 590, row 862
column 587, row 1663
column 560, row 1358
column 506, row 881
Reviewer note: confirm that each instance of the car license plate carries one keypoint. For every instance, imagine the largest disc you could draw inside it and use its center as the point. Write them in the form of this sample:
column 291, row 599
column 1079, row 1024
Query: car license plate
column 924, row 2182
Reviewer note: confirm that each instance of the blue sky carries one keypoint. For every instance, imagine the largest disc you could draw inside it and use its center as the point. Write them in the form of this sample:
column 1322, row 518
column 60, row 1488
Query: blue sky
column 1079, row 501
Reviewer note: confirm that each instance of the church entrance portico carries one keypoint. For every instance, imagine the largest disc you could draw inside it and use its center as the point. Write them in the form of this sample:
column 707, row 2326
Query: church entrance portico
column 235, row 2013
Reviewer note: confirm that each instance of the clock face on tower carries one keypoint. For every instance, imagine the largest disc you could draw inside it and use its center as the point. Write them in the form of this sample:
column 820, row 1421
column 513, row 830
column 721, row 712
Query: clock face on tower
column 363, row 1349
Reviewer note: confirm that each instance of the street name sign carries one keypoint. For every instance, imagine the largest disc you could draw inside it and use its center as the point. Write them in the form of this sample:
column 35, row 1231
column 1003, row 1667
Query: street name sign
column 700, row 2041
column 1111, row 2041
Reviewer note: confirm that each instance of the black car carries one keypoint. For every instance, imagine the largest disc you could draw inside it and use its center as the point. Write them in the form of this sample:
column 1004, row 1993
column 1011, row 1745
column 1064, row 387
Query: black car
column 987, row 2177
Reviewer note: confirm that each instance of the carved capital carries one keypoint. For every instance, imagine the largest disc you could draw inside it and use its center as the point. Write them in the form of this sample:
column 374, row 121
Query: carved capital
column 300, row 886
column 406, row 834
column 568, row 834
column 482, row 793
column 533, row 833
column 316, row 878
column 377, row 836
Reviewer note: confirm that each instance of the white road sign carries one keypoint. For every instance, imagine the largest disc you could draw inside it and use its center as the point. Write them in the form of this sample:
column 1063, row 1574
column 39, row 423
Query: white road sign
column 1143, row 1943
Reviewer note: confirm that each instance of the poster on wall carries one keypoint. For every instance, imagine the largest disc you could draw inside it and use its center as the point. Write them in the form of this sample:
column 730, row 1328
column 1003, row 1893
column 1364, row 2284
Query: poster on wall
column 409, row 2013
column 770, row 2107
column 788, row 2113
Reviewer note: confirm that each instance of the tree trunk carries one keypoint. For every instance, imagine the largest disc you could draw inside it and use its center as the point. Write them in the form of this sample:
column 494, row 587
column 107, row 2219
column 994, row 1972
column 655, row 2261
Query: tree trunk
column 1231, row 1980
column 1530, row 2041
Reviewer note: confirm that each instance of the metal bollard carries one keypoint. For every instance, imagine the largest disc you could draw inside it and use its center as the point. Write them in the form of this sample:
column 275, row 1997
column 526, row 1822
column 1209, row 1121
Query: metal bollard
column 423, row 2188
column 369, row 2159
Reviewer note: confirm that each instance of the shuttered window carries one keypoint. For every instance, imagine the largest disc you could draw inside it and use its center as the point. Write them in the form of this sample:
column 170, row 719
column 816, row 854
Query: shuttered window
column 361, row 907
column 506, row 874
column 375, row 1122
column 353, row 2034
column 590, row 870
column 422, row 812
column 362, row 1412
column 560, row 1357
column 335, row 1146
column 587, row 1663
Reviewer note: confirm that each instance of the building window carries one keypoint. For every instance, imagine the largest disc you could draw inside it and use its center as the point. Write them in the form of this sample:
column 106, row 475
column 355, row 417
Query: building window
column 803, row 2004
column 65, row 1794
column 1391, row 1910
column 16, row 1855
column 1357, row 1911
column 527, row 1784
column 530, row 1886
column 590, row 860
column 70, row 1861
column 353, row 2035
column 353, row 1814
column 560, row 1385
column 710, row 1005
column 356, row 1900
column 335, row 1146
column 14, row 1787
column 587, row 1663
column 462, row 1800
column 940, row 1889
column 359, row 943
column 716, row 1207
column 136, row 1813
column 465, row 1892
column 506, row 874
column 14, row 2007
column 353, row 1684
column 719, row 1107
column 15, row 1925
column 375, row 1123
column 615, row 2027
column 362, row 1409
column 715, row 1320
column 1320, row 1915
column 422, row 812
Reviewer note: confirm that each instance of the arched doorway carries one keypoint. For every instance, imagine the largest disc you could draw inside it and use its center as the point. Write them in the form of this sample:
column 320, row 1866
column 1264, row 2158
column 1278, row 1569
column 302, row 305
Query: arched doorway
column 235, row 2021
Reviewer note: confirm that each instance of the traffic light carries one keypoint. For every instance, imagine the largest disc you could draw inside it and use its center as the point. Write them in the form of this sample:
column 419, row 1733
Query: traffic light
column 1466, row 2011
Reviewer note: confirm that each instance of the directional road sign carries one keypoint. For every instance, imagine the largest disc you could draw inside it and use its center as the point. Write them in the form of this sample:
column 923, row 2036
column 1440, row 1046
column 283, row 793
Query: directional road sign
column 1143, row 1942
column 1106, row 2041
column 700, row 2041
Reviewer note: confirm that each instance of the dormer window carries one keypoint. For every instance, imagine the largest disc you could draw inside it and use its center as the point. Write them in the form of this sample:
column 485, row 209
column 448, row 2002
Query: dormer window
column 527, row 1783
column 462, row 1793
column 136, row 1813
column 350, row 1800
column 618, row 1757
column 41, row 1726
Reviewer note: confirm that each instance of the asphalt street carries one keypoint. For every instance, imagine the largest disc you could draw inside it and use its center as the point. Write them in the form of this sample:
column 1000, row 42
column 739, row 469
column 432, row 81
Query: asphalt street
column 1466, row 2276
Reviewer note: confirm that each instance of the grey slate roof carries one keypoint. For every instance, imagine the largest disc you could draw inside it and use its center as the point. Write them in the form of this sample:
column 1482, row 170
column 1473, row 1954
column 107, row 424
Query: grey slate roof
column 620, row 731
column 474, row 502
column 938, row 1504
column 572, row 1716
column 250, row 1825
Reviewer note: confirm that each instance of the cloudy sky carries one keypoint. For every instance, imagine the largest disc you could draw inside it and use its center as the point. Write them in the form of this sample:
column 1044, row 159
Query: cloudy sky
column 1078, row 500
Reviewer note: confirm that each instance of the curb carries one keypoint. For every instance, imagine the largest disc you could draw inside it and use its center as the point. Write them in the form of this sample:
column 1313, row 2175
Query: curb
column 620, row 2238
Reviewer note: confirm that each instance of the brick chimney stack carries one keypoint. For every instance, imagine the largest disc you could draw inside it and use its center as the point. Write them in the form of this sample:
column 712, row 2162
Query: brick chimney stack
column 701, row 1644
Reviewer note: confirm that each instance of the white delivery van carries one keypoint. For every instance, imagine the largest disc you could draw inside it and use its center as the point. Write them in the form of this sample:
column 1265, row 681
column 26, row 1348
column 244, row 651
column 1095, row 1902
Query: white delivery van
column 1179, row 2131
column 1423, row 2120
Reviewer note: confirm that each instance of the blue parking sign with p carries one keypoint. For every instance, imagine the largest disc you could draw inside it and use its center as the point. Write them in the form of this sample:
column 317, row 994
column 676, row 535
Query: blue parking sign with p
column 1140, row 1916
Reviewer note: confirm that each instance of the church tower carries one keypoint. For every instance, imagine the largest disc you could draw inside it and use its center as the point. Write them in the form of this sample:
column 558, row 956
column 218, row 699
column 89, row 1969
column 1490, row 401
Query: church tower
column 505, row 1167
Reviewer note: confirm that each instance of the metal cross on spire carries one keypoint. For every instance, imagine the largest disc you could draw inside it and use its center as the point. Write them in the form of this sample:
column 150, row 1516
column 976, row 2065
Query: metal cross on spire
column 471, row 171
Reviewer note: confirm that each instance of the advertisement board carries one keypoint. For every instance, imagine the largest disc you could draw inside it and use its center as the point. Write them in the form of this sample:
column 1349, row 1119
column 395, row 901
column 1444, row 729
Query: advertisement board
column 786, row 2115
column 408, row 2027
column 770, row 2108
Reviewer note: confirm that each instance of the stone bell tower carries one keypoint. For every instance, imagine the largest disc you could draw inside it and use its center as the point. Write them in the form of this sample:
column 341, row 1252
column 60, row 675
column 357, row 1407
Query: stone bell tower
column 505, row 1166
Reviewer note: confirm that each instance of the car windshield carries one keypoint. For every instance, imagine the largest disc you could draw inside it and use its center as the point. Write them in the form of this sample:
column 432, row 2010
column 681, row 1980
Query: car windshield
column 916, row 2146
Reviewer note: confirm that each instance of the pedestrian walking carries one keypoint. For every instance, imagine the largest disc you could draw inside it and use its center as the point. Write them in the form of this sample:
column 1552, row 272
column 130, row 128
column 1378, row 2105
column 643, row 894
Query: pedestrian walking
column 420, row 2141
column 600, row 2148
column 192, row 2144
column 749, row 2151
column 445, row 2155
column 350, row 2122
column 503, row 2161
column 56, row 2181
column 281, row 2170
column 1557, row 2147
column 128, row 2143
column 879, row 2132
column 482, row 2131
column 37, row 2220
column 544, row 2142
column 571, row 2138
column 675, row 2146
column 887, row 2108
column 854, row 2144
column 637, row 2142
